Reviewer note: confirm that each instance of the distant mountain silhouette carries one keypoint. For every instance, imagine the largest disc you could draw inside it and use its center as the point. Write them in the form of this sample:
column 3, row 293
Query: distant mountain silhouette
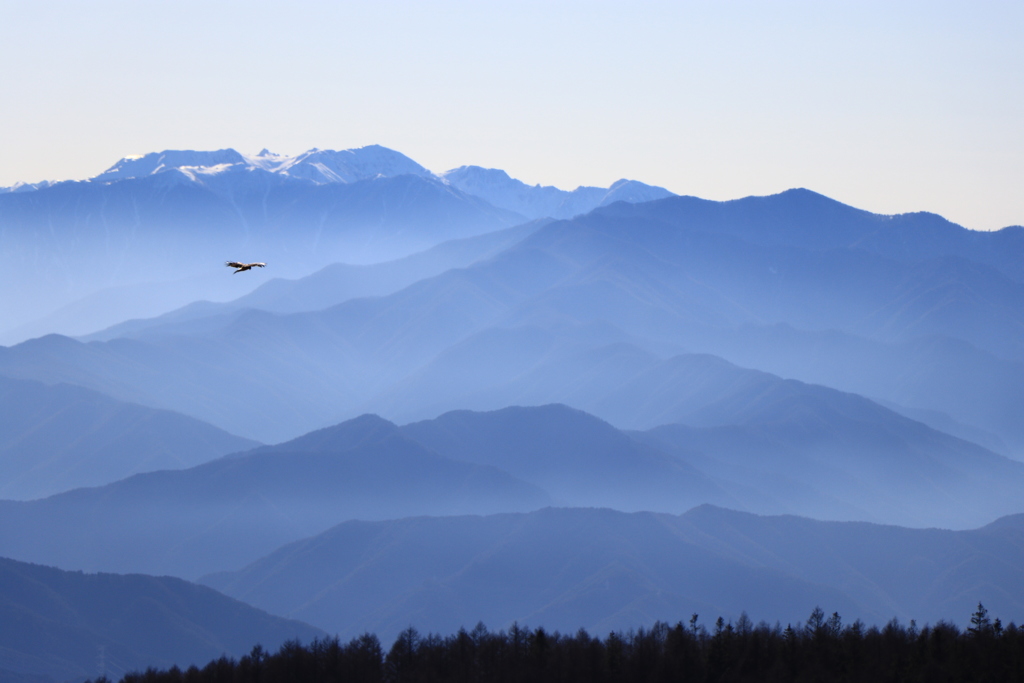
column 817, row 452
column 166, row 227
column 948, row 376
column 803, row 218
column 668, row 258
column 166, row 221
column 232, row 510
column 577, row 458
column 749, row 441
column 794, row 284
column 765, row 445
column 55, row 438
column 322, row 364
column 601, row 570
column 112, row 305
column 329, row 286
column 846, row 434
column 537, row 202
column 316, row 165
column 59, row 626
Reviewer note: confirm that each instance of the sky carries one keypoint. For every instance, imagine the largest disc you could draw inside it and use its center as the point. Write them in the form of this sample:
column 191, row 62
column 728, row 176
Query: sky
column 888, row 106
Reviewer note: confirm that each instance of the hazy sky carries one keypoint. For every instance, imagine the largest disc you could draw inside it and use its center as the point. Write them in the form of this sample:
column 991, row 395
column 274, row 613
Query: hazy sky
column 889, row 106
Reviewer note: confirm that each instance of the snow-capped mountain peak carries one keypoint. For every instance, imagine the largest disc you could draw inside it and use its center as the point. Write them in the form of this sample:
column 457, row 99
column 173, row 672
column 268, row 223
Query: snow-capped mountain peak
column 227, row 172
column 351, row 165
column 316, row 165
column 155, row 162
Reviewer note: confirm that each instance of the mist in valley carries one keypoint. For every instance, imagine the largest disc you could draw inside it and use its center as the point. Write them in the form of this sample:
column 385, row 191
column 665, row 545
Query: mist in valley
column 453, row 398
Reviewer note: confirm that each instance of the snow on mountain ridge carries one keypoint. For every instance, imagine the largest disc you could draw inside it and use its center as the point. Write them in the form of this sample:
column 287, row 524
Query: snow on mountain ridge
column 155, row 162
column 351, row 165
column 27, row 187
column 315, row 165
column 227, row 171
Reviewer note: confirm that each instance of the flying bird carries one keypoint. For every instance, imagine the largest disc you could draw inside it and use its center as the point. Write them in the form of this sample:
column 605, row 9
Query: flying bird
column 243, row 266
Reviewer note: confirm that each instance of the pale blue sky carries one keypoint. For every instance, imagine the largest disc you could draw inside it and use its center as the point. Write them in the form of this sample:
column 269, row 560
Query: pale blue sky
column 890, row 106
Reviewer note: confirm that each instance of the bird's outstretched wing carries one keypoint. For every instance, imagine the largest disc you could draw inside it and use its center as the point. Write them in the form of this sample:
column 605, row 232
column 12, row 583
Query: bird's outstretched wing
column 243, row 266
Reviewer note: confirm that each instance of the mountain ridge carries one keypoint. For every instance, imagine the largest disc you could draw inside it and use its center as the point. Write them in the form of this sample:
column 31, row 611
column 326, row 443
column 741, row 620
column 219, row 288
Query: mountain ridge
column 321, row 207
column 600, row 569
column 231, row 510
column 58, row 625
column 659, row 279
column 55, row 438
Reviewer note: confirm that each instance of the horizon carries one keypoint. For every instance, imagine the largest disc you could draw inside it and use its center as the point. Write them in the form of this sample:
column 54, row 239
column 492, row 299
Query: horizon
column 894, row 109
column 132, row 157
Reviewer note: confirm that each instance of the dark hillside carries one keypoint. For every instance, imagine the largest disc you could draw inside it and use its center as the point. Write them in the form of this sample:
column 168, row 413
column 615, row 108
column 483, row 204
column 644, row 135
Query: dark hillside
column 60, row 625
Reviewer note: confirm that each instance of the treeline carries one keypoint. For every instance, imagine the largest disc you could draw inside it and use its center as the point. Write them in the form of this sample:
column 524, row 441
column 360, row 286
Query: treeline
column 822, row 649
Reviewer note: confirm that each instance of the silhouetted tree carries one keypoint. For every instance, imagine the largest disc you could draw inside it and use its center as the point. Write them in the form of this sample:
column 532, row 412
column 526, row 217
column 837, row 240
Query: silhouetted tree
column 980, row 623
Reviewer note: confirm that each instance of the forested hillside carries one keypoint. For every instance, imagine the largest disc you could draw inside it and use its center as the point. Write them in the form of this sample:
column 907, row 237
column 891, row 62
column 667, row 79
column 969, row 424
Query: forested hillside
column 823, row 648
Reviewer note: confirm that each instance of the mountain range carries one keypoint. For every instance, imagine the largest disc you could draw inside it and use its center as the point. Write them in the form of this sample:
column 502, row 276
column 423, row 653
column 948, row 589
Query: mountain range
column 534, row 201
column 602, row 569
column 489, row 401
column 334, row 284
column 172, row 218
column 229, row 511
column 766, row 445
column 805, row 450
column 60, row 437
column 599, row 300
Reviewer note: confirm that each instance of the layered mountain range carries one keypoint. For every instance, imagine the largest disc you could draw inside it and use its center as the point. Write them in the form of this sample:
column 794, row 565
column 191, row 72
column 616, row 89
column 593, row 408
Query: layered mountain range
column 59, row 437
column 848, row 459
column 75, row 253
column 490, row 401
column 604, row 570
column 588, row 311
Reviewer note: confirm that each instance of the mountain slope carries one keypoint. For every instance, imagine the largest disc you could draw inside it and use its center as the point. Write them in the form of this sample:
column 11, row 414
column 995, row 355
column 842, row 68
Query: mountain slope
column 766, row 445
column 667, row 261
column 560, row 568
column 578, row 459
column 667, row 276
column 72, row 239
column 274, row 376
column 55, row 438
column 68, row 625
column 746, row 439
column 177, row 215
column 818, row 452
column 939, row 374
column 230, row 511
column 601, row 570
column 806, row 219
column 331, row 285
